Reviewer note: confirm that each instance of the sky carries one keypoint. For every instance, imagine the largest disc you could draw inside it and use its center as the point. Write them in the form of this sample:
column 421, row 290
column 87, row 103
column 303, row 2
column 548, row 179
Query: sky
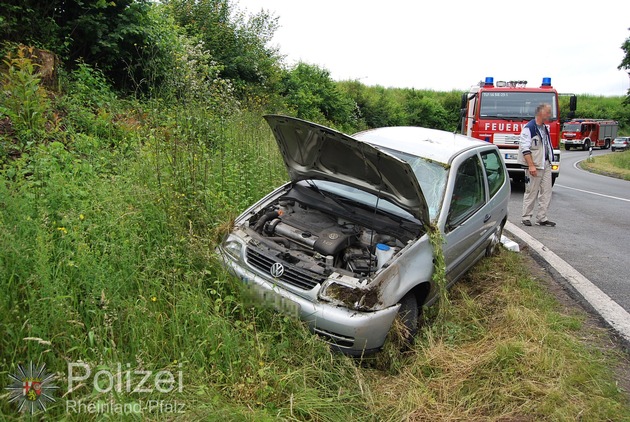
column 449, row 45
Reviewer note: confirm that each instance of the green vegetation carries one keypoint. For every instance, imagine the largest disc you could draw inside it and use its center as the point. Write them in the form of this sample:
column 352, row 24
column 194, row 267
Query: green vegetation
column 116, row 187
column 477, row 366
column 613, row 165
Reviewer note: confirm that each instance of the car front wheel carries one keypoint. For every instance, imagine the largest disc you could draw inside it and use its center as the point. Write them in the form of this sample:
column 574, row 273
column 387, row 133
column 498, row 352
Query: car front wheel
column 409, row 317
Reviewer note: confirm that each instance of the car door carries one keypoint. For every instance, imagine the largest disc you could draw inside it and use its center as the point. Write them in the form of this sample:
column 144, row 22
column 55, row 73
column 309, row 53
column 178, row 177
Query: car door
column 465, row 230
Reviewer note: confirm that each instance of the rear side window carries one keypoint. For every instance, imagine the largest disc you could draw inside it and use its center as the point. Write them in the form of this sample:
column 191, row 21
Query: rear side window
column 494, row 171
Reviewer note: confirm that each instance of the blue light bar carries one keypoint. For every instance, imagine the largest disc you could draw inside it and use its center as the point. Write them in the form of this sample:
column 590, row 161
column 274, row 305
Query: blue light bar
column 546, row 82
column 489, row 81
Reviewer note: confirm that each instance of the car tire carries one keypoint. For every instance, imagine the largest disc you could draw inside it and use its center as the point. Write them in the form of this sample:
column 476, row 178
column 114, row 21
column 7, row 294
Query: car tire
column 409, row 317
column 566, row 147
column 495, row 241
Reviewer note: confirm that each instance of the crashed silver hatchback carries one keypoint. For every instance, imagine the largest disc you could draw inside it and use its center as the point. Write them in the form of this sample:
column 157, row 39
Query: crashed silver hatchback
column 345, row 246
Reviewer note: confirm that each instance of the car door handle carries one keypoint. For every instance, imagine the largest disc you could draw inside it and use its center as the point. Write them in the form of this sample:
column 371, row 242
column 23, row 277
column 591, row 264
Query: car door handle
column 486, row 218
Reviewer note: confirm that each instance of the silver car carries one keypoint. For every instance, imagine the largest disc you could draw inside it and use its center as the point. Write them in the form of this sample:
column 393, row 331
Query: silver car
column 620, row 144
column 345, row 245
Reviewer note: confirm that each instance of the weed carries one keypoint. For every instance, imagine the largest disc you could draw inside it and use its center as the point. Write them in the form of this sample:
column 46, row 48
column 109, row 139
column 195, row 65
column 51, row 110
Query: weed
column 24, row 101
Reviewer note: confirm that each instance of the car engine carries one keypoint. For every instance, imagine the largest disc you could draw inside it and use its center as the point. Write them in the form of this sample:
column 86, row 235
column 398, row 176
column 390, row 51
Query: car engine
column 317, row 241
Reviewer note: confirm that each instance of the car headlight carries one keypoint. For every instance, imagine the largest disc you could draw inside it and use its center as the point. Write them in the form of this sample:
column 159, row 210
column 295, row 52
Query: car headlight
column 359, row 298
column 233, row 248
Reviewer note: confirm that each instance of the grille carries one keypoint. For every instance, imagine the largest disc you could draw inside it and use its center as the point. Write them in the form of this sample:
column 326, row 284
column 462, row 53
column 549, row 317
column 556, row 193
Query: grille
column 303, row 279
column 336, row 339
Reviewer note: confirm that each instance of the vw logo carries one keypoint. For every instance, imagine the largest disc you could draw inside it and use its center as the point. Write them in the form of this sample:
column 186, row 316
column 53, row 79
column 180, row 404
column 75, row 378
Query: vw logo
column 276, row 270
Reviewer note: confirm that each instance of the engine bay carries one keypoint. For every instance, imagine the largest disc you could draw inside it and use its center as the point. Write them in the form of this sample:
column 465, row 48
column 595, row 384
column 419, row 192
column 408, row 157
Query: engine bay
column 320, row 240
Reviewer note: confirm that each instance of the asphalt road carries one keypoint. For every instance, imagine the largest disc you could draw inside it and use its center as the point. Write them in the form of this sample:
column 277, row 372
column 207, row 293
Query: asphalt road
column 592, row 235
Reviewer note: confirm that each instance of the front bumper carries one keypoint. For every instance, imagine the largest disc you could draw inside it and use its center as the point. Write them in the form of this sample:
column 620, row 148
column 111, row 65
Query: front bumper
column 350, row 331
column 571, row 142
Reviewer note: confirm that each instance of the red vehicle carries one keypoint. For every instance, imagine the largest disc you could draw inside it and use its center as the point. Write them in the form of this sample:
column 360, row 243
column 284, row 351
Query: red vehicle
column 497, row 112
column 587, row 133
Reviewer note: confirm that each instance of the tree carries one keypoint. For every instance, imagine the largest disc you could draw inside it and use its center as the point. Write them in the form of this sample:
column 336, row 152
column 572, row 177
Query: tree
column 426, row 111
column 104, row 34
column 238, row 43
column 313, row 95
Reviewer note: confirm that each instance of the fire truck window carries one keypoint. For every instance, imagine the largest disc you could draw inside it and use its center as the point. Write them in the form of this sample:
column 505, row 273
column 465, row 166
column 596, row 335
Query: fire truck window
column 468, row 192
column 494, row 171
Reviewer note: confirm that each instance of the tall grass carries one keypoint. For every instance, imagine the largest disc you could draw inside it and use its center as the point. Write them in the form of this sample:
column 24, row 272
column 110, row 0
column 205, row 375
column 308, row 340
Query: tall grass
column 107, row 233
column 107, row 257
column 506, row 351
column 613, row 164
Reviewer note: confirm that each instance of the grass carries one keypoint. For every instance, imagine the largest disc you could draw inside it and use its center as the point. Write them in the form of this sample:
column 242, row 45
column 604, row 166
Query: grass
column 614, row 165
column 507, row 351
column 108, row 228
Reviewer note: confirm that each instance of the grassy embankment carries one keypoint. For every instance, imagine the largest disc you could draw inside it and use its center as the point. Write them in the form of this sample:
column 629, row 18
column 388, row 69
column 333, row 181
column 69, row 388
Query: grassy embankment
column 107, row 228
column 613, row 165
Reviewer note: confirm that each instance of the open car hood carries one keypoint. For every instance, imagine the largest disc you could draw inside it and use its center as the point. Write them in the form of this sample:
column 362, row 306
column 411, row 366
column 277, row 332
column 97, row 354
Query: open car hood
column 311, row 151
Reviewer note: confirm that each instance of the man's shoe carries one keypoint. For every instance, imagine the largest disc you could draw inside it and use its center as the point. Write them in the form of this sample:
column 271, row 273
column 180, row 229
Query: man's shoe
column 546, row 223
column 526, row 222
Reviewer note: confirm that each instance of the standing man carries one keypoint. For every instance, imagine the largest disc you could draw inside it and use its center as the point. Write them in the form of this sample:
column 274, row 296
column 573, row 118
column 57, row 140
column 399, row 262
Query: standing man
column 535, row 153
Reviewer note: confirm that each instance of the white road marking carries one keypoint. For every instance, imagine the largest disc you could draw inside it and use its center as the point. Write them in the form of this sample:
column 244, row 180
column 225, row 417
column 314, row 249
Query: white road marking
column 594, row 193
column 616, row 316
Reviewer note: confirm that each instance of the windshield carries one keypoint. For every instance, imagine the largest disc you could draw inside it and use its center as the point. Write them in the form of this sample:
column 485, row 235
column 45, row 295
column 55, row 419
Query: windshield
column 431, row 177
column 519, row 105
column 571, row 127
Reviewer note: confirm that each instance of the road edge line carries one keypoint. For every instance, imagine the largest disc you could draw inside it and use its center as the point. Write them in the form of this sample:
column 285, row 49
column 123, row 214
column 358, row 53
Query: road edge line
column 616, row 316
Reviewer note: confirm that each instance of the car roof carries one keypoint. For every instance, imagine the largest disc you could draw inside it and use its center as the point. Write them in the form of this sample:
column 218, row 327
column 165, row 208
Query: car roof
column 434, row 144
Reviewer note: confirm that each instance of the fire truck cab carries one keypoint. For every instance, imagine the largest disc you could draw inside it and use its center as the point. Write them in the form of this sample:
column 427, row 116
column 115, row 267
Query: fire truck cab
column 588, row 133
column 498, row 112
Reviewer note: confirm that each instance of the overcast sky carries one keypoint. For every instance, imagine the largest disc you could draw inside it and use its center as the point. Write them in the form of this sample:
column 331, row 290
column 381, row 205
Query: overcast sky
column 445, row 45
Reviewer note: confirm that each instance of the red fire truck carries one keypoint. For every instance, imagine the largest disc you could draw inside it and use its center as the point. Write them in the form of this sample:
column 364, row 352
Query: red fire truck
column 587, row 133
column 497, row 113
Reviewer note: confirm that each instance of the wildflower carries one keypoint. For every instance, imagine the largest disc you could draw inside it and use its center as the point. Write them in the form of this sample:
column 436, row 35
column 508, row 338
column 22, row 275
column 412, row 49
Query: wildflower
column 62, row 230
column 153, row 299
column 81, row 217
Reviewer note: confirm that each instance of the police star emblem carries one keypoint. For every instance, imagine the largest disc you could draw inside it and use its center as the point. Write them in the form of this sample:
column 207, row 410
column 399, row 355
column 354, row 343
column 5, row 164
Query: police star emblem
column 32, row 388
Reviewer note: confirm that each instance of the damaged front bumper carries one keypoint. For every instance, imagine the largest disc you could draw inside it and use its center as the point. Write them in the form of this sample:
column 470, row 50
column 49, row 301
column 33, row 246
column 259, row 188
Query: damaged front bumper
column 350, row 331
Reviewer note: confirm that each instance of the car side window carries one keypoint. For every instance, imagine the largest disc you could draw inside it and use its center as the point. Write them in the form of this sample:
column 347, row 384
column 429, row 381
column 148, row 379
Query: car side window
column 468, row 192
column 494, row 170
